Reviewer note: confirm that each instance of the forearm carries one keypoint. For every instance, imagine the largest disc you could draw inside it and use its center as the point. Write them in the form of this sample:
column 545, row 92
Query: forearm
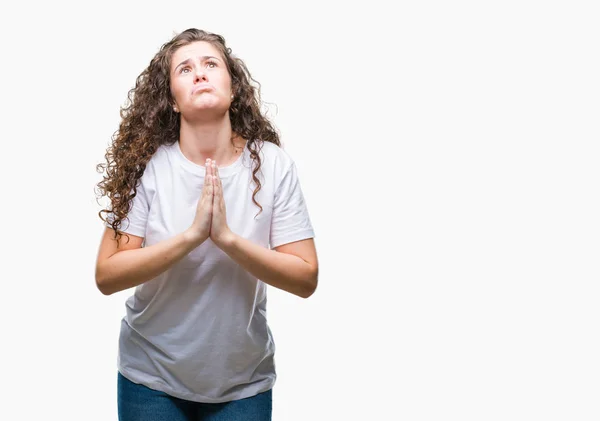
column 129, row 268
column 281, row 270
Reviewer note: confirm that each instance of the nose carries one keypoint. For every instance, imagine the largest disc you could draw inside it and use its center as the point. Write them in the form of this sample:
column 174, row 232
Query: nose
column 200, row 76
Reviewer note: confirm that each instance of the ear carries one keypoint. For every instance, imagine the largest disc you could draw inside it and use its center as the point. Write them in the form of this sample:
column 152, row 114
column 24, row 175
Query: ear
column 173, row 103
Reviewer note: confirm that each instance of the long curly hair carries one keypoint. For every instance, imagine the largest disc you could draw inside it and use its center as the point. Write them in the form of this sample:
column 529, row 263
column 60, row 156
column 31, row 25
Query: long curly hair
column 149, row 121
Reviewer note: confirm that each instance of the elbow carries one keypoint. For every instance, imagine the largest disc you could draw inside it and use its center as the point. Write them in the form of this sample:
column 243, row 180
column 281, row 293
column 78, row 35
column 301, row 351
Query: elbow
column 101, row 284
column 102, row 287
column 310, row 286
column 307, row 292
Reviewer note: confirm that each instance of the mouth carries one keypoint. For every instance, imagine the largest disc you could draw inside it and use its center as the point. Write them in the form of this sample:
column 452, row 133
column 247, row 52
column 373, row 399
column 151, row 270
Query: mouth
column 201, row 88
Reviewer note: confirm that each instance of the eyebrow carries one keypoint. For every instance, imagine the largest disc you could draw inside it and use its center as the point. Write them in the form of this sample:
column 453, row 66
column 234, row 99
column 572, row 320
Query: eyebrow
column 202, row 58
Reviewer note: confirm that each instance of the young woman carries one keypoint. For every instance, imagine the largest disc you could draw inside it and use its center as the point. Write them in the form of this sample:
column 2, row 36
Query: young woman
column 205, row 209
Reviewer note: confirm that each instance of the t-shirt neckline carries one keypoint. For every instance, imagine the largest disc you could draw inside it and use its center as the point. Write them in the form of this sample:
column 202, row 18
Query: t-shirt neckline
column 201, row 169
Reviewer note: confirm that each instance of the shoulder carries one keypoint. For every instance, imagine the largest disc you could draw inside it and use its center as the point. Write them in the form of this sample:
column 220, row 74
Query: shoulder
column 274, row 157
column 163, row 157
column 277, row 166
column 157, row 164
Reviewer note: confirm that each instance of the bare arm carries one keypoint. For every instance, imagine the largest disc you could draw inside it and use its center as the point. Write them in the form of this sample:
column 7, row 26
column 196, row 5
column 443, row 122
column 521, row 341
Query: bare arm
column 291, row 267
column 129, row 265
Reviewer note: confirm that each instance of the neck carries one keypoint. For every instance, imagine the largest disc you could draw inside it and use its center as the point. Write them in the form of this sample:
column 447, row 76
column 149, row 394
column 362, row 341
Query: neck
column 212, row 139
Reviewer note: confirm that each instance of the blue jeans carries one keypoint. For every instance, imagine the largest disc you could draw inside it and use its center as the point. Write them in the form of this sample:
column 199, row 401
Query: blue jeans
column 137, row 402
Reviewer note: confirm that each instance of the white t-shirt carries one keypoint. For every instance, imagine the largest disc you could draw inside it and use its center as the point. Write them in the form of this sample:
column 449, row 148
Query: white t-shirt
column 199, row 330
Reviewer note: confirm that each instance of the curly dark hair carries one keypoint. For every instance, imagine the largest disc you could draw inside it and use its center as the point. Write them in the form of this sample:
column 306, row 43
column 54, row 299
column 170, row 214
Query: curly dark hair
column 149, row 121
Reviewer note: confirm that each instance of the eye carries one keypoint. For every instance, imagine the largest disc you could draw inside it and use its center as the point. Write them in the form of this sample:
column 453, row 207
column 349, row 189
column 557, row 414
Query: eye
column 184, row 70
column 209, row 63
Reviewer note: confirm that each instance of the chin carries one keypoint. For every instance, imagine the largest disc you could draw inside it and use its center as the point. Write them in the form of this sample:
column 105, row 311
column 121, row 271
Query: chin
column 208, row 103
column 207, row 109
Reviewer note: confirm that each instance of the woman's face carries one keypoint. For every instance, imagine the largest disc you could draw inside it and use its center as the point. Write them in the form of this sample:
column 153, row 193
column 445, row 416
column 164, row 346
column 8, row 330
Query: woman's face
column 200, row 82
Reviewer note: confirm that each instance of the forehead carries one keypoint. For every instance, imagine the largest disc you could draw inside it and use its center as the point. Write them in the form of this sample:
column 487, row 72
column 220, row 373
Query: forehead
column 194, row 50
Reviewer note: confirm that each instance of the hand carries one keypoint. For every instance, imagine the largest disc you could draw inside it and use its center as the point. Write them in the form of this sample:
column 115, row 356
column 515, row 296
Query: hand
column 201, row 226
column 220, row 233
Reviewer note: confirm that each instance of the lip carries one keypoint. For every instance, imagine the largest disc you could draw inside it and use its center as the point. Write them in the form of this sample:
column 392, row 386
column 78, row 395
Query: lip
column 202, row 87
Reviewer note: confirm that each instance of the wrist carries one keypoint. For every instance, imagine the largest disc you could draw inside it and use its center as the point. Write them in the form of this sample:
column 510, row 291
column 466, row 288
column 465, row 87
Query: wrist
column 192, row 239
column 226, row 240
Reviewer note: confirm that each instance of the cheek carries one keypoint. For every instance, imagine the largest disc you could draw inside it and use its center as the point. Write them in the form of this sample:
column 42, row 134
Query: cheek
column 177, row 90
column 223, row 81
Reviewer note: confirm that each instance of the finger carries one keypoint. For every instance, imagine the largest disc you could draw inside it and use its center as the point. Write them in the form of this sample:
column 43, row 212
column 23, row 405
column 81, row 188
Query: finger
column 211, row 171
column 216, row 172
column 207, row 194
column 219, row 187
column 218, row 195
column 219, row 179
column 208, row 166
column 206, row 176
column 215, row 177
column 215, row 169
column 216, row 188
column 215, row 196
column 208, row 180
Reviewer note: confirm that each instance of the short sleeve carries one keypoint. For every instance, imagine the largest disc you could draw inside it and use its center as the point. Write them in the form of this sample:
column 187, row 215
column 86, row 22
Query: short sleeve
column 290, row 220
column 137, row 218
